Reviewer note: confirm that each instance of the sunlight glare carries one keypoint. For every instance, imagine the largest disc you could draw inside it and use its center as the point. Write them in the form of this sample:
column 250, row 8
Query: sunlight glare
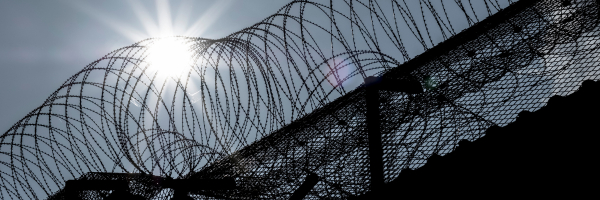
column 169, row 57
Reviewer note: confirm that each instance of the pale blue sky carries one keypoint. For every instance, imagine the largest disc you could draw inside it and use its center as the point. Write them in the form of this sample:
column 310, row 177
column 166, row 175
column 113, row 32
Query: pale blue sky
column 43, row 43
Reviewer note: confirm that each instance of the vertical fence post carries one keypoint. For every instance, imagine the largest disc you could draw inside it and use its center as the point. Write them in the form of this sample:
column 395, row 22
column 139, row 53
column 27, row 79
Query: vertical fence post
column 374, row 133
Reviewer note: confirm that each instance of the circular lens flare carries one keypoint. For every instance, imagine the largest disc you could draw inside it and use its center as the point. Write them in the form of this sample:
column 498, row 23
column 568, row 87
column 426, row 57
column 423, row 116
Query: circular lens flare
column 169, row 57
column 431, row 82
column 340, row 73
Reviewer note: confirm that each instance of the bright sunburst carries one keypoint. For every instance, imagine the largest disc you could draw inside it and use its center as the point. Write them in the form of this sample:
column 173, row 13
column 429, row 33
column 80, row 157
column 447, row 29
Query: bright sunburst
column 169, row 57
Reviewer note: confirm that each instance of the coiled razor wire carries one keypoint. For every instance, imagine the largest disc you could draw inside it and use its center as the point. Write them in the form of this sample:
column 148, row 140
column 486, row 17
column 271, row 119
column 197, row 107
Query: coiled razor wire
column 279, row 100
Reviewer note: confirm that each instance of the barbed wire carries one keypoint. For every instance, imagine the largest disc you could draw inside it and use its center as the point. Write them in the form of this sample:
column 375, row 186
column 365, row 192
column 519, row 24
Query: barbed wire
column 282, row 99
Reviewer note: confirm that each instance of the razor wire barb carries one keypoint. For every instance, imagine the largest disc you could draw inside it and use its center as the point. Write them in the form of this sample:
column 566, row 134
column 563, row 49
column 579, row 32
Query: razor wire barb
column 277, row 101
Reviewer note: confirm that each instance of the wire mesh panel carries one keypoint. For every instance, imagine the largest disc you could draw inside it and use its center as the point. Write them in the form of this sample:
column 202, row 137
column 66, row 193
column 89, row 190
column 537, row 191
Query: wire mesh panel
column 513, row 61
column 282, row 100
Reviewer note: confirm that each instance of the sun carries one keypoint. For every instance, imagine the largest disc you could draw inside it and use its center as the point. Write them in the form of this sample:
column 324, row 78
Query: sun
column 169, row 57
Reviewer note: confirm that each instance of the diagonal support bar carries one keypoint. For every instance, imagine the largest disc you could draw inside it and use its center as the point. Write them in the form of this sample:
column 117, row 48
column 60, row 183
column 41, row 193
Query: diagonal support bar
column 310, row 182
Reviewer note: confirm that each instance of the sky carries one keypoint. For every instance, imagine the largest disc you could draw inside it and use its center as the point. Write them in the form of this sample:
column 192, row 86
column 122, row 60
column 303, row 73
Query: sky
column 43, row 43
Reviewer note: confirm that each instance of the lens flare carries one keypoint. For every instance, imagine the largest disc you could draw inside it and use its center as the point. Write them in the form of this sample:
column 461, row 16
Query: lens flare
column 340, row 72
column 431, row 82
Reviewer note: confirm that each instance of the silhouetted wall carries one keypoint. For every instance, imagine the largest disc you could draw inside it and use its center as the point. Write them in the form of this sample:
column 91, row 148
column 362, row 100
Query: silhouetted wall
column 548, row 153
